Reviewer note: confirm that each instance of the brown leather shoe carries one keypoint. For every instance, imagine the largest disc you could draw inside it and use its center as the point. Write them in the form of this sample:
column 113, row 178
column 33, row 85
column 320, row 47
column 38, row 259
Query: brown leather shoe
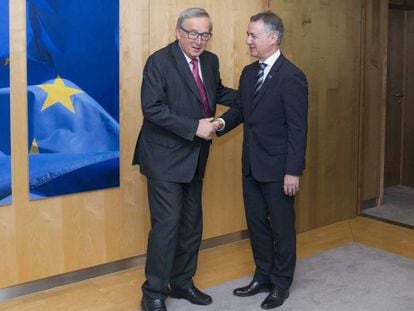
column 148, row 304
column 252, row 289
column 192, row 294
column 275, row 298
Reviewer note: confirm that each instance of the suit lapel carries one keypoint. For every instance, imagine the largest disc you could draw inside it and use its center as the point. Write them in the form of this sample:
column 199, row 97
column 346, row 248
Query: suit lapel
column 184, row 69
column 271, row 75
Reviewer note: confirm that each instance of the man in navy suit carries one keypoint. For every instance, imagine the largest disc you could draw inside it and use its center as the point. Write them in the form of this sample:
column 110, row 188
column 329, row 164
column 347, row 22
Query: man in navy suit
column 272, row 105
column 180, row 88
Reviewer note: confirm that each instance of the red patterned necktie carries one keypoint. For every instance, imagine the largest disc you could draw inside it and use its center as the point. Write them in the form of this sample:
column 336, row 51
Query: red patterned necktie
column 201, row 88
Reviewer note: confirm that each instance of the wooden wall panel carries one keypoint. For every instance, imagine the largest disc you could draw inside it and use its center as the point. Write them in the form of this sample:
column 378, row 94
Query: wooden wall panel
column 8, row 243
column 48, row 237
column 323, row 38
column 8, row 255
column 126, row 214
column 38, row 227
column 373, row 97
column 57, row 235
column 223, row 188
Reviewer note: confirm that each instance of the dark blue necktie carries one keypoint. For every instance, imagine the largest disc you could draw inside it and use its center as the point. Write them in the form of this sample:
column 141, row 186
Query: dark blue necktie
column 260, row 78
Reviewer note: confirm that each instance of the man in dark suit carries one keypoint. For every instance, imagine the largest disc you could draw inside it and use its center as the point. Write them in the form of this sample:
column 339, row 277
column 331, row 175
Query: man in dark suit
column 272, row 104
column 181, row 85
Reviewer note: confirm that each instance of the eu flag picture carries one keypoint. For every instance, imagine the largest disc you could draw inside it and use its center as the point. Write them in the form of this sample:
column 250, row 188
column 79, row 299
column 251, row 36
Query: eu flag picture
column 73, row 95
column 5, row 171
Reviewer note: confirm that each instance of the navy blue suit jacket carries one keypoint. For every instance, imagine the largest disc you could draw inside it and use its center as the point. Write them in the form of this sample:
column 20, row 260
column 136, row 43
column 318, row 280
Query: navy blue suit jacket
column 275, row 121
column 167, row 148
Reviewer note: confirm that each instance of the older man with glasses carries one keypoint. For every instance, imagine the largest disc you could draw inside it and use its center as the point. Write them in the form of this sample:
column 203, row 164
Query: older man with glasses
column 180, row 88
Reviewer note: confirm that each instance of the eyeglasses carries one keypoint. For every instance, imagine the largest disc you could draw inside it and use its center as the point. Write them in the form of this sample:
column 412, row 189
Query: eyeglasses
column 193, row 35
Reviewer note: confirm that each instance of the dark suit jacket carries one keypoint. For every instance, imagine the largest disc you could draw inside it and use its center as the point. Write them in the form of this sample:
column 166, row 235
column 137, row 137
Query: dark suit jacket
column 275, row 122
column 167, row 147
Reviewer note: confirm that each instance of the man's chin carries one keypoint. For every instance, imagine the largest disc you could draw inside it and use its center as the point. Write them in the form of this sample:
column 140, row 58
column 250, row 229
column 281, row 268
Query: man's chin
column 196, row 53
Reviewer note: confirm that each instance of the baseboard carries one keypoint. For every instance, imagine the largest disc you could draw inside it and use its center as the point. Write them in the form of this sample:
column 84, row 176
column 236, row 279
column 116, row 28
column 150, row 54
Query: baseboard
column 388, row 221
column 92, row 272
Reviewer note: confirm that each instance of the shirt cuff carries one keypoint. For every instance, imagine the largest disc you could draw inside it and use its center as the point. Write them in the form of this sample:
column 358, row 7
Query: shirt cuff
column 224, row 124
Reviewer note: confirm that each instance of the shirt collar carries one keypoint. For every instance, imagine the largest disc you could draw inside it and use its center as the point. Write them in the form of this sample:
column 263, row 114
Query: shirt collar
column 188, row 59
column 272, row 59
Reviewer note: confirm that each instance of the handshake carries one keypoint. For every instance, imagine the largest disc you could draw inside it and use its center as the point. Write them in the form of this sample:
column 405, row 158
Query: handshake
column 207, row 127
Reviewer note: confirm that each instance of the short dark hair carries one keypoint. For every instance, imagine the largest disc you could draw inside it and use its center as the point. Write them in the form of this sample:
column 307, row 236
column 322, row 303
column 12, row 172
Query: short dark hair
column 272, row 22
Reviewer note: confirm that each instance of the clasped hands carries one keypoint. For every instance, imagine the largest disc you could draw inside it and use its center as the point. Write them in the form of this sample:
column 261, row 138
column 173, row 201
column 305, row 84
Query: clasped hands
column 207, row 127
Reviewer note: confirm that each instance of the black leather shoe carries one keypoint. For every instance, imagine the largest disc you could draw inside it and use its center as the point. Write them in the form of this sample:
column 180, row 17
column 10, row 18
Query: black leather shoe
column 252, row 289
column 275, row 298
column 148, row 304
column 192, row 294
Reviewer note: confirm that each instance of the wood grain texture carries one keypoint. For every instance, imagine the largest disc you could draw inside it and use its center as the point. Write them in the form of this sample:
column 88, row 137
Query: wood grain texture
column 49, row 237
column 67, row 233
column 323, row 39
column 120, row 291
column 8, row 255
column 374, row 65
column 223, row 203
column 391, row 238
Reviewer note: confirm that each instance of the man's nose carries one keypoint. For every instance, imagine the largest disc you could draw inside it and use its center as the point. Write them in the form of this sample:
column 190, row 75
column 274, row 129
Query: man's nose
column 198, row 40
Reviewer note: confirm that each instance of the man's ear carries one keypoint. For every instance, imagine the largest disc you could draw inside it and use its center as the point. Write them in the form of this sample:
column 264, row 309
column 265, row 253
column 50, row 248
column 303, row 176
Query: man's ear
column 275, row 37
column 177, row 33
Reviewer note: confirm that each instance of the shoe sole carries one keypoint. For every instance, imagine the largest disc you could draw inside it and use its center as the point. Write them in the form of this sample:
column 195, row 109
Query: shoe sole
column 275, row 305
column 143, row 308
column 193, row 302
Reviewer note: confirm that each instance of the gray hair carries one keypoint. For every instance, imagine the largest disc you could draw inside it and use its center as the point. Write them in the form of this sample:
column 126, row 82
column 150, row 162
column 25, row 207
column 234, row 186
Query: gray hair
column 190, row 13
column 272, row 23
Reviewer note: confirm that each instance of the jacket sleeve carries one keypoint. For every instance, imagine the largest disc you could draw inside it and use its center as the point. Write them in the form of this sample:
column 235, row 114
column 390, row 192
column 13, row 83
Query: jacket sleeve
column 234, row 116
column 295, row 99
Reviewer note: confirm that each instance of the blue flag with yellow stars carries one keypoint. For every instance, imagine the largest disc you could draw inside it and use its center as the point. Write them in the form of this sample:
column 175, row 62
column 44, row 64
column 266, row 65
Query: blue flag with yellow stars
column 73, row 95
column 5, row 178
column 4, row 44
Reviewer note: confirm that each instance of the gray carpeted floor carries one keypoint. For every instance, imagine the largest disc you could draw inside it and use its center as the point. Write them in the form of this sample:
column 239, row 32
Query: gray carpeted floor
column 398, row 206
column 354, row 277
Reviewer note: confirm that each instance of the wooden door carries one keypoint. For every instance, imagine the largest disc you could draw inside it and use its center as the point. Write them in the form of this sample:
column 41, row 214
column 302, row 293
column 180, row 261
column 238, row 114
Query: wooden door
column 408, row 154
column 399, row 137
column 395, row 98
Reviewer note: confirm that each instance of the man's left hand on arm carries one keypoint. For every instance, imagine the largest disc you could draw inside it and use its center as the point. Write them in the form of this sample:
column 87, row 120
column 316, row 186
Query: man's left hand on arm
column 291, row 185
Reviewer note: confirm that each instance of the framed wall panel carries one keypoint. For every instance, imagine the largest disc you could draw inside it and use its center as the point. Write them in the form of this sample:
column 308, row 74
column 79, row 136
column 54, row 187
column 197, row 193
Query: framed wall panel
column 73, row 96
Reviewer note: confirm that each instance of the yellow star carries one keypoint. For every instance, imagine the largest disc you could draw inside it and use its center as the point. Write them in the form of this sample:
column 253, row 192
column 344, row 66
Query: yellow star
column 34, row 148
column 58, row 92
